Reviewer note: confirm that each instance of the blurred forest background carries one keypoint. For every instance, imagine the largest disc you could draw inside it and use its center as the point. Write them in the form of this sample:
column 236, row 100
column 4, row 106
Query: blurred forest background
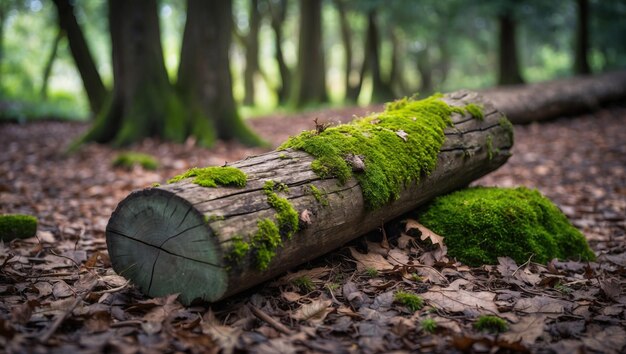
column 279, row 55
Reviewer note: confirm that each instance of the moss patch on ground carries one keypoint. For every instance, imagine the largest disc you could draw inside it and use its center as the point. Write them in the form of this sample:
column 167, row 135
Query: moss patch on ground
column 131, row 159
column 14, row 226
column 396, row 146
column 214, row 176
column 481, row 224
column 491, row 324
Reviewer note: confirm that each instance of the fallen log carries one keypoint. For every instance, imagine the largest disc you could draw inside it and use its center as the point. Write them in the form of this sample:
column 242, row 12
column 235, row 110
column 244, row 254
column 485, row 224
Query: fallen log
column 272, row 212
column 547, row 100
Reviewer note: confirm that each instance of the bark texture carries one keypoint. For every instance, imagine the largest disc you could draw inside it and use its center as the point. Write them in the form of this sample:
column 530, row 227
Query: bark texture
column 176, row 238
column 541, row 101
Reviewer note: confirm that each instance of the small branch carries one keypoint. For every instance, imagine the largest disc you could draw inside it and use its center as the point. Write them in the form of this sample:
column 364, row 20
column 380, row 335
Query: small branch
column 270, row 320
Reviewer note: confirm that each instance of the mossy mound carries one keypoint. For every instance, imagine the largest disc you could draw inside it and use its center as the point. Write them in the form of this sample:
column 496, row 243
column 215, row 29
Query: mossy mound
column 131, row 159
column 14, row 226
column 481, row 224
column 387, row 150
column 214, row 176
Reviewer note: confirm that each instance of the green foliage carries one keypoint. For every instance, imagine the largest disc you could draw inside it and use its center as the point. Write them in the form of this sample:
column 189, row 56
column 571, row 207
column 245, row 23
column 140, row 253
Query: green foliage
column 130, row 159
column 286, row 215
column 214, row 176
column 410, row 300
column 304, row 284
column 481, row 224
column 397, row 146
column 14, row 226
column 371, row 272
column 492, row 324
column 428, row 325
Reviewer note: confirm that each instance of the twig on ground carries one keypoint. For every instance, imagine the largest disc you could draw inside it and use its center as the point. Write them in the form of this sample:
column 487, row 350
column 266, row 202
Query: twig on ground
column 270, row 320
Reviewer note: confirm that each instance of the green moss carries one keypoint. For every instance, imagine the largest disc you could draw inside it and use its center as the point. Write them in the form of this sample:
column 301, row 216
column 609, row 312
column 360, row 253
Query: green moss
column 131, row 159
column 14, row 226
column 282, row 156
column 212, row 218
column 214, row 176
column 286, row 215
column 317, row 194
column 410, row 300
column 428, row 325
column 265, row 242
column 481, row 224
column 239, row 249
column 492, row 324
column 508, row 127
column 304, row 284
column 475, row 110
column 371, row 272
column 490, row 150
column 156, row 184
column 397, row 146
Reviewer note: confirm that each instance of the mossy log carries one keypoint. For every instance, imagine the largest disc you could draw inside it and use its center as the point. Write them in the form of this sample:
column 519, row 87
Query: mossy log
column 547, row 100
column 193, row 240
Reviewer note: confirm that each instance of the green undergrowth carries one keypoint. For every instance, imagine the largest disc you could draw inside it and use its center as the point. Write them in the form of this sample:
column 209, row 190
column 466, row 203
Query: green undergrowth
column 428, row 325
column 14, row 226
column 491, row 324
column 396, row 146
column 214, row 176
column 476, row 111
column 318, row 195
column 481, row 224
column 130, row 159
column 411, row 301
column 269, row 235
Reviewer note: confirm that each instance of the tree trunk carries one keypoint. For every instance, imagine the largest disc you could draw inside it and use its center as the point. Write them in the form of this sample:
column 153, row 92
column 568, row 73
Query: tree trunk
column 48, row 67
column 96, row 92
column 143, row 102
column 204, row 78
column 252, row 53
column 278, row 15
column 542, row 101
column 581, row 64
column 424, row 68
column 381, row 92
column 352, row 88
column 509, row 71
column 177, row 238
column 310, row 84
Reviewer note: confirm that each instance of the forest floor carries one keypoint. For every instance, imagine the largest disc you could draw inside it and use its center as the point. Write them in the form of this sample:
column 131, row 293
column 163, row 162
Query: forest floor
column 58, row 292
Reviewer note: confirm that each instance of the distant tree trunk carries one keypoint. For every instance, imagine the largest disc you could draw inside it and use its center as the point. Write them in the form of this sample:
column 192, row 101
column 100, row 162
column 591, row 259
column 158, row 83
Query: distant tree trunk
column 48, row 67
column 380, row 90
column 96, row 92
column 509, row 73
column 252, row 52
column 3, row 15
column 352, row 89
column 204, row 78
column 396, row 75
column 424, row 68
column 581, row 64
column 310, row 84
column 278, row 15
column 143, row 102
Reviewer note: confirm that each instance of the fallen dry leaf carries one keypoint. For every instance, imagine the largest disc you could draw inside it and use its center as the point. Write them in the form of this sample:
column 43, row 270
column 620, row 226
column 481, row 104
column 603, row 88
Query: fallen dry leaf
column 528, row 329
column 315, row 312
column 370, row 261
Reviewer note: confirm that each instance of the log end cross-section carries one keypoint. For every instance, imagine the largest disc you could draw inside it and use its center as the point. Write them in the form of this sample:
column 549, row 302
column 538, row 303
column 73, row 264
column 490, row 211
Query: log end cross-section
column 162, row 243
column 209, row 242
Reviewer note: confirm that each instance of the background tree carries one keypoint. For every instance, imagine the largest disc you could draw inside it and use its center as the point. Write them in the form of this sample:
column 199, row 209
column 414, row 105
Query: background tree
column 143, row 102
column 96, row 92
column 278, row 13
column 581, row 64
column 508, row 64
column 204, row 78
column 250, row 42
column 310, row 81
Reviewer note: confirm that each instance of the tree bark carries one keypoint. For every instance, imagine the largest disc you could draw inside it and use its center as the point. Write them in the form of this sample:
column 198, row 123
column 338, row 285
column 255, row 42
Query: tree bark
column 176, row 238
column 581, row 64
column 310, row 85
column 96, row 92
column 381, row 91
column 143, row 102
column 204, row 78
column 252, row 52
column 509, row 69
column 541, row 101
column 278, row 15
